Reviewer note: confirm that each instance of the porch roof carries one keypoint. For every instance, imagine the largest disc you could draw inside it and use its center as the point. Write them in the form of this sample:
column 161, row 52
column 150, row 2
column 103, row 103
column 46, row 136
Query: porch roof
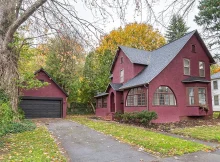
column 195, row 79
column 101, row 94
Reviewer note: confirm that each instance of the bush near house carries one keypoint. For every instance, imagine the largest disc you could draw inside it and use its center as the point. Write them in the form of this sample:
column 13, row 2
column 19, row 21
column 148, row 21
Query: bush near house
column 143, row 117
column 10, row 121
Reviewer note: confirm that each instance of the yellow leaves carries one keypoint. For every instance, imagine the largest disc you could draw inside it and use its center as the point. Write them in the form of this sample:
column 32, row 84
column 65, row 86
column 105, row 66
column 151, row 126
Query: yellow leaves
column 141, row 36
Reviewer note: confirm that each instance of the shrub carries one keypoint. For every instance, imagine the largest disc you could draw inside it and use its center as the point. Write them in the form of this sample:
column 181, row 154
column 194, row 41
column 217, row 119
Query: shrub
column 143, row 117
column 17, row 127
column 79, row 109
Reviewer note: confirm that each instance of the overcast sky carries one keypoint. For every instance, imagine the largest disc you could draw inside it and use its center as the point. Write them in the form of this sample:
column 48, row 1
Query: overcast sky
column 130, row 17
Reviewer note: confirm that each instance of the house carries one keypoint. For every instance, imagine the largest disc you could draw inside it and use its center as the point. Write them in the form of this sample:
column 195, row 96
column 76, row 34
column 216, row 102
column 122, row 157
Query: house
column 173, row 81
column 215, row 85
column 46, row 102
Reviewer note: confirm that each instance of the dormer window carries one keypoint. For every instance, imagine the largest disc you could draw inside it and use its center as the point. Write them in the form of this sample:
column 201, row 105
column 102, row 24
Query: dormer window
column 194, row 48
column 122, row 60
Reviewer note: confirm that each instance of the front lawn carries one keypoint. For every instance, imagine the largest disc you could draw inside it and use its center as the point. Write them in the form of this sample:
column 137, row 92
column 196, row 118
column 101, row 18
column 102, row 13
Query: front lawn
column 207, row 133
column 150, row 141
column 36, row 145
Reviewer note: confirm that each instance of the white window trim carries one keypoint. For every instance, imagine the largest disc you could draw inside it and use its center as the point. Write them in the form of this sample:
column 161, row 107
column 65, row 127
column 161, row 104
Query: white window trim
column 122, row 76
column 203, row 68
column 186, row 66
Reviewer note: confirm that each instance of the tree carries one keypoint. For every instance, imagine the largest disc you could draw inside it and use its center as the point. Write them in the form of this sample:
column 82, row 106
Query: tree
column 209, row 18
column 65, row 59
column 176, row 29
column 141, row 36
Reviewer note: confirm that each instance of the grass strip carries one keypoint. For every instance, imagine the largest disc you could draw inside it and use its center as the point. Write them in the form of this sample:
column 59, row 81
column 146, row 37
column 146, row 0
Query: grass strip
column 37, row 146
column 207, row 133
column 152, row 142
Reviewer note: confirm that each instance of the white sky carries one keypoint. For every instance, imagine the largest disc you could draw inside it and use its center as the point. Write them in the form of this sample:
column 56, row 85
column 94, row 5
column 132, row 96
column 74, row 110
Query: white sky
column 130, row 17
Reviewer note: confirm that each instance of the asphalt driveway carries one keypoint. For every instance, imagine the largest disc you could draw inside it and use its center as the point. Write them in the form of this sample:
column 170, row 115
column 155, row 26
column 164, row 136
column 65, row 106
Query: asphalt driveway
column 83, row 144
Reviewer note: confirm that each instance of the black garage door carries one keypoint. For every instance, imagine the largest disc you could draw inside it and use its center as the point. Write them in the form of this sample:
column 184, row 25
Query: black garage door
column 41, row 108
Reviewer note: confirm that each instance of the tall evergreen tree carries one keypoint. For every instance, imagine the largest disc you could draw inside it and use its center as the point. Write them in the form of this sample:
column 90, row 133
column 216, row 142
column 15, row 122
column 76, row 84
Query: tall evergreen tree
column 176, row 29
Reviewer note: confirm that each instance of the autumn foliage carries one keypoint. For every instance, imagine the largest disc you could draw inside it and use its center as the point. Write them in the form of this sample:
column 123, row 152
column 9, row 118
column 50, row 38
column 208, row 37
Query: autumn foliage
column 140, row 36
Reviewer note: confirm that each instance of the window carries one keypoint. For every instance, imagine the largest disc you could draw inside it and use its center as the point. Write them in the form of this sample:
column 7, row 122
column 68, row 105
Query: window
column 202, row 96
column 164, row 96
column 104, row 102
column 216, row 101
column 122, row 76
column 201, row 69
column 122, row 60
column 215, row 84
column 99, row 103
column 186, row 63
column 191, row 96
column 136, row 97
column 194, row 48
column 197, row 96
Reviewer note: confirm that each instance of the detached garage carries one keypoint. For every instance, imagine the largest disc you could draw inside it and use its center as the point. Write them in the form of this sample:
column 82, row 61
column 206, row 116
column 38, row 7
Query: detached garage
column 45, row 102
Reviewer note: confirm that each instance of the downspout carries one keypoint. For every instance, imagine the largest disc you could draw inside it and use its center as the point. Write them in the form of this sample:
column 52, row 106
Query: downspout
column 147, row 95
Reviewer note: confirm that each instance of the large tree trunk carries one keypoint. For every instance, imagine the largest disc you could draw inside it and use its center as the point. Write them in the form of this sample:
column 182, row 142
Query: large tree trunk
column 9, row 76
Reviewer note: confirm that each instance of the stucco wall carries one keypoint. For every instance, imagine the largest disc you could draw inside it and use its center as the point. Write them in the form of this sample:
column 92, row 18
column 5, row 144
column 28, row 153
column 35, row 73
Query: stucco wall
column 51, row 90
column 172, row 76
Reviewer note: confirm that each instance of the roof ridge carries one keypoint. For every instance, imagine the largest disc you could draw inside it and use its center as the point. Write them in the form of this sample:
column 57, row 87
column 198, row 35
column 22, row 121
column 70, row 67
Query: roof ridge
column 134, row 48
column 176, row 39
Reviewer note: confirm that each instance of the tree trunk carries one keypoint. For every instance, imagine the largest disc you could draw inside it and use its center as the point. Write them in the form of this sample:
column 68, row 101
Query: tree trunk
column 93, row 108
column 9, row 76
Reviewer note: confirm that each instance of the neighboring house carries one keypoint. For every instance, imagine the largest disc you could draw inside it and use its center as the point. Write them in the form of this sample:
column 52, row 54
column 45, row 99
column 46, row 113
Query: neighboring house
column 216, row 91
column 173, row 81
column 46, row 102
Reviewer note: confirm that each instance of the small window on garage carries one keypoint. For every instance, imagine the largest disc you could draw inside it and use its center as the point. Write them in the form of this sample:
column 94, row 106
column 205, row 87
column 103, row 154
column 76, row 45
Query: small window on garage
column 41, row 80
column 194, row 48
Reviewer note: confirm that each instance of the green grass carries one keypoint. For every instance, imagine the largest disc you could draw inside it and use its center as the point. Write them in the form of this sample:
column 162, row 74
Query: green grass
column 216, row 115
column 28, row 146
column 152, row 142
column 207, row 133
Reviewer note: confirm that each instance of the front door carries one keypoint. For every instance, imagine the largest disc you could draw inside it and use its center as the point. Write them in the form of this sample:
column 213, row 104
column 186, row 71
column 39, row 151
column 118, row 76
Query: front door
column 112, row 102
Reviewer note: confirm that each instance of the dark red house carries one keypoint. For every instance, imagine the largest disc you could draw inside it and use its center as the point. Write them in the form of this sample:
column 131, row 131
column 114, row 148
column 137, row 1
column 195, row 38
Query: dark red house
column 173, row 81
column 46, row 102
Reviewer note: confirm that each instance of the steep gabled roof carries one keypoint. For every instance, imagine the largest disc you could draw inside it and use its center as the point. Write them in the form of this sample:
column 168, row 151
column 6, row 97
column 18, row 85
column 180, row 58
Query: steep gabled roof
column 41, row 69
column 215, row 76
column 115, row 86
column 136, row 56
column 160, row 58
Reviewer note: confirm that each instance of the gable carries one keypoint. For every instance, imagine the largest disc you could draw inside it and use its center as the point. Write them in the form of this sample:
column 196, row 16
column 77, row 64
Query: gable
column 41, row 74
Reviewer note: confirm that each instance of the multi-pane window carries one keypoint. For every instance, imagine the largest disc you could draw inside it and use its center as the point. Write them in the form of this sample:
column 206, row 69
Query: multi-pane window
column 99, row 103
column 102, row 102
column 186, row 64
column 197, row 96
column 201, row 69
column 202, row 96
column 216, row 101
column 215, row 84
column 136, row 97
column 164, row 96
column 122, row 75
column 191, row 96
